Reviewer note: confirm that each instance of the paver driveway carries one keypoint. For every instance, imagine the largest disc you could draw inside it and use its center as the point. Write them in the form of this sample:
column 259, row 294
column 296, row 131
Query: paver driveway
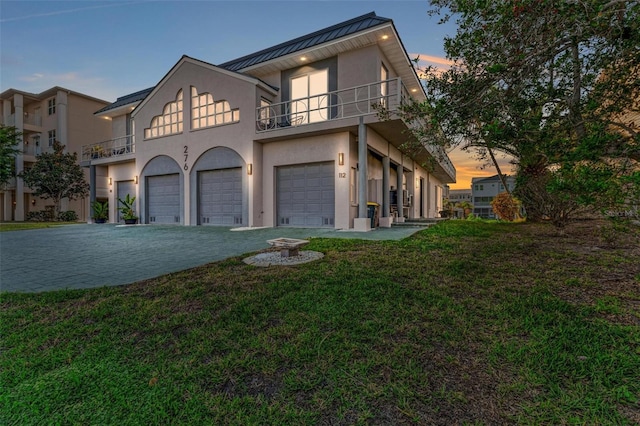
column 86, row 256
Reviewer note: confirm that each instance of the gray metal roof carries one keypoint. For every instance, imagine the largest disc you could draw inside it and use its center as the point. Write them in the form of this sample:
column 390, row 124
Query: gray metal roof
column 328, row 34
column 127, row 99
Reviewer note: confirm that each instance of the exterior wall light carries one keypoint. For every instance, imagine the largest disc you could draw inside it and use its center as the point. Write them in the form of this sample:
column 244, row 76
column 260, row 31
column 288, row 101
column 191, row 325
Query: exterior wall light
column 33, row 202
column 249, row 169
column 110, row 181
column 341, row 158
column 135, row 179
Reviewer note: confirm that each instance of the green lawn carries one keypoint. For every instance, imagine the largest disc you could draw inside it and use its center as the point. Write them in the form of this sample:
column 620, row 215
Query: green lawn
column 463, row 323
column 21, row 226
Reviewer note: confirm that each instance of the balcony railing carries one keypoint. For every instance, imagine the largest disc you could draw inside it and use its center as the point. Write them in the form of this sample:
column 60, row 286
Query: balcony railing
column 353, row 102
column 372, row 98
column 112, row 148
column 27, row 118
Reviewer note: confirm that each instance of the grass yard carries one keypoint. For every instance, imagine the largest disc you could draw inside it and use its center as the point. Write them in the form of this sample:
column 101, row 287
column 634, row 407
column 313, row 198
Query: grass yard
column 463, row 323
column 22, row 226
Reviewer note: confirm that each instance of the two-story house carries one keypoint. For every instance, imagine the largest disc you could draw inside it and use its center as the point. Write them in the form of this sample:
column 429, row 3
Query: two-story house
column 484, row 190
column 287, row 136
column 55, row 114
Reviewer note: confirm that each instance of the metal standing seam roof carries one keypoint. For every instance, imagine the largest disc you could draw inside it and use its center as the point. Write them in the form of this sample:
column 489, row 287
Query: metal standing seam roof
column 325, row 35
column 127, row 99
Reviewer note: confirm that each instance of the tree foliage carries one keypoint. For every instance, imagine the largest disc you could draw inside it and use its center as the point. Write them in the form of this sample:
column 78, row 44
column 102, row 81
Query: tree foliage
column 552, row 84
column 9, row 139
column 56, row 175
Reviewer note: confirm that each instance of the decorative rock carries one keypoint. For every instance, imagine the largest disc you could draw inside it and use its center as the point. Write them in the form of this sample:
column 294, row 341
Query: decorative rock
column 275, row 258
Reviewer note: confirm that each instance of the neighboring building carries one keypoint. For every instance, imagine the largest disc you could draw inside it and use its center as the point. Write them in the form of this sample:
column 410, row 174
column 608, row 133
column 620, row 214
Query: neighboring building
column 484, row 189
column 287, row 136
column 460, row 195
column 457, row 196
column 55, row 114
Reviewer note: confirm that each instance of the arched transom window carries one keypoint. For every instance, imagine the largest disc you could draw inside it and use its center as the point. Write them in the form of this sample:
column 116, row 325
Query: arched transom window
column 170, row 122
column 207, row 113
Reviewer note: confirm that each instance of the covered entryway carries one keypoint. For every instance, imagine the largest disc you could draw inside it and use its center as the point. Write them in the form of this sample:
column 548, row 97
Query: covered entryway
column 220, row 197
column 163, row 198
column 305, row 195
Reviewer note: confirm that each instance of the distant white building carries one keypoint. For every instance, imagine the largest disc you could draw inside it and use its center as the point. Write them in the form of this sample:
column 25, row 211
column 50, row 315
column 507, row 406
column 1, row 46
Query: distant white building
column 483, row 191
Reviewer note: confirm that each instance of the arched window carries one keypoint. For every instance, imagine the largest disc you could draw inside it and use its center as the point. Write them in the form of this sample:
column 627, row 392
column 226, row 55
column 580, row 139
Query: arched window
column 169, row 123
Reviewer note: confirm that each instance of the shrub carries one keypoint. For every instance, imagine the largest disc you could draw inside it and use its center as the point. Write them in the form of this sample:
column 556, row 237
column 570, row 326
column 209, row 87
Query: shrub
column 506, row 207
column 68, row 216
column 40, row 216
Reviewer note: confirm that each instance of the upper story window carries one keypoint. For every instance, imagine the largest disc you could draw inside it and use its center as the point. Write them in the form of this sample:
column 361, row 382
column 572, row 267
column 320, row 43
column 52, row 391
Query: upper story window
column 384, row 84
column 309, row 96
column 52, row 137
column 207, row 113
column 265, row 114
column 51, row 106
column 169, row 123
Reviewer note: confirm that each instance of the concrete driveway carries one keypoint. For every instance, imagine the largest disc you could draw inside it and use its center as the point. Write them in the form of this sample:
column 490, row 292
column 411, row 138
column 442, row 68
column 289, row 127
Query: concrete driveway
column 87, row 256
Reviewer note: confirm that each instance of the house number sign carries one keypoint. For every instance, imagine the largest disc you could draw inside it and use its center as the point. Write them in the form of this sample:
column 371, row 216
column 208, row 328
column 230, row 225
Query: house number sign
column 186, row 155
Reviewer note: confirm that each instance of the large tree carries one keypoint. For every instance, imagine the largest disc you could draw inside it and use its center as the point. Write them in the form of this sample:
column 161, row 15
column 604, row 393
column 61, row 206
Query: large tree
column 9, row 139
column 56, row 175
column 551, row 84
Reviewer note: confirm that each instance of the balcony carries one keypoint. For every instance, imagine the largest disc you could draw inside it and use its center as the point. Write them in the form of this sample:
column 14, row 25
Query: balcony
column 28, row 118
column 353, row 102
column 110, row 149
column 387, row 96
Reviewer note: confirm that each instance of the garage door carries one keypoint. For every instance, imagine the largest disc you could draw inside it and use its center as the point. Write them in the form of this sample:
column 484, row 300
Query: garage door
column 163, row 195
column 306, row 195
column 124, row 188
column 220, row 197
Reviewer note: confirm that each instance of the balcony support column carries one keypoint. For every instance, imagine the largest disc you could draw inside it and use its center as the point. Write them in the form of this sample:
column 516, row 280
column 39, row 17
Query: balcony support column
column 18, row 105
column 92, row 192
column 399, row 198
column 362, row 222
column 385, row 213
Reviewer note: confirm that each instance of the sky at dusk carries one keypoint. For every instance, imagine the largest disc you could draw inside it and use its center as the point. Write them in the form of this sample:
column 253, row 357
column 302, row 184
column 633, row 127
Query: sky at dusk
column 107, row 49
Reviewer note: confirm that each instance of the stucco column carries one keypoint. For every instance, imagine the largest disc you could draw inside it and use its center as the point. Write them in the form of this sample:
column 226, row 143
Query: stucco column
column 362, row 222
column 92, row 192
column 400, row 173
column 385, row 211
column 18, row 106
column 61, row 119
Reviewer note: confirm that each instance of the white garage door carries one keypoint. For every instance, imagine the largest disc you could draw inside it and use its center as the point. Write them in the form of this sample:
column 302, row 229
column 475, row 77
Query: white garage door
column 220, row 197
column 306, row 195
column 163, row 194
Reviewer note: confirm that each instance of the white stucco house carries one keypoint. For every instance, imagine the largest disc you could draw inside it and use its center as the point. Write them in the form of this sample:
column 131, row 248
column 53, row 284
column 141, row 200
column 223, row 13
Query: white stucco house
column 287, row 136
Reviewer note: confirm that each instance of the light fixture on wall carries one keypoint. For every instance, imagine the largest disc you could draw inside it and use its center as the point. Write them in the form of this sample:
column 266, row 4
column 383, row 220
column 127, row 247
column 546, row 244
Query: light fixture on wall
column 110, row 181
column 249, row 169
column 341, row 158
column 417, row 182
column 135, row 179
column 33, row 202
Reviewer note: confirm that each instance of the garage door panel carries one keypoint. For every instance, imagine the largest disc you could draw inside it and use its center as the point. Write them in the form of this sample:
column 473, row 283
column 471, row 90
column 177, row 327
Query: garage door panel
column 164, row 199
column 220, row 197
column 305, row 195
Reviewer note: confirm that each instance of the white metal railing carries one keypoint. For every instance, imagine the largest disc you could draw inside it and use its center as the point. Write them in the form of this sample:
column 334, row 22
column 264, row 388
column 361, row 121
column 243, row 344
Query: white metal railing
column 112, row 148
column 345, row 103
column 357, row 101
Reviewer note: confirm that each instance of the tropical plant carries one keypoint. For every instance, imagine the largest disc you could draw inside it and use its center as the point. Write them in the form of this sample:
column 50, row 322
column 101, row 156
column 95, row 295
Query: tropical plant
column 128, row 207
column 100, row 210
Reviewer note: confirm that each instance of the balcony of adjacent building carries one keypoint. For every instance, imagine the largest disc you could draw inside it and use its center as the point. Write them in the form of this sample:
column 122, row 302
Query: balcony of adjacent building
column 113, row 151
column 31, row 121
column 341, row 109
